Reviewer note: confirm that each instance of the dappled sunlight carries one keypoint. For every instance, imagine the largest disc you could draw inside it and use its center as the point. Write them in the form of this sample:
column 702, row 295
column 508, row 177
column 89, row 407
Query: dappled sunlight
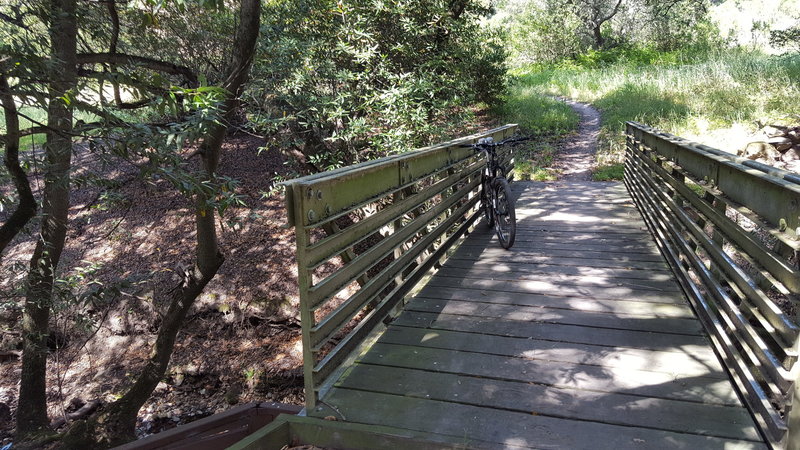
column 429, row 337
column 577, row 332
column 517, row 442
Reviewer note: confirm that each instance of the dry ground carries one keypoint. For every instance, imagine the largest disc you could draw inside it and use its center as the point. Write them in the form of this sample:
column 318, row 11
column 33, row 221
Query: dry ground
column 240, row 343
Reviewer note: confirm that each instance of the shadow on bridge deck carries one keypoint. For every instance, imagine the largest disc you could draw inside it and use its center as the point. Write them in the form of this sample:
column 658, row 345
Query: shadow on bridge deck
column 578, row 337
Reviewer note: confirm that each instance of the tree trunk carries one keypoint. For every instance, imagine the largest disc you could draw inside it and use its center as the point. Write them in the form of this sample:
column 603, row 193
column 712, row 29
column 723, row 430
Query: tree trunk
column 32, row 413
column 115, row 425
column 597, row 34
column 27, row 203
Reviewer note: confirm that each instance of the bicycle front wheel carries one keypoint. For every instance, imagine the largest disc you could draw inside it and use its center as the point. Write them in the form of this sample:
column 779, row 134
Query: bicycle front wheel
column 505, row 219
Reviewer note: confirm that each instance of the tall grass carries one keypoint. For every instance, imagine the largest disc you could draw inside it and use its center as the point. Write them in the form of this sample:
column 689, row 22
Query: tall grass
column 547, row 119
column 717, row 99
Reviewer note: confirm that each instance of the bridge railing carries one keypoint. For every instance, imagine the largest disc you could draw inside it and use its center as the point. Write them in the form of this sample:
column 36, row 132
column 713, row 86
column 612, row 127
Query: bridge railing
column 729, row 228
column 366, row 234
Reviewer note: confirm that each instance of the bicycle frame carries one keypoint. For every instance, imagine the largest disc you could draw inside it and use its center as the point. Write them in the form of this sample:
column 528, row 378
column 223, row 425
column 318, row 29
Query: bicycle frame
column 498, row 208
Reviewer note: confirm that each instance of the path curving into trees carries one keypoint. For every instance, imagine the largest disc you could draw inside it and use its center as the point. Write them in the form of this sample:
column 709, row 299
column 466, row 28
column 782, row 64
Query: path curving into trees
column 575, row 158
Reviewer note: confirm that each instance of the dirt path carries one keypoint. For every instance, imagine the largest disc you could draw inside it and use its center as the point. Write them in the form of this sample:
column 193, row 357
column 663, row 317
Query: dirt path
column 576, row 156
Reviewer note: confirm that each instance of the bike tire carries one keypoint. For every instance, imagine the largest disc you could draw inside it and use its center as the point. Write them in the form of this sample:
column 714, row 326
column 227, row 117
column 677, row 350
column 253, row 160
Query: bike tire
column 505, row 218
column 486, row 201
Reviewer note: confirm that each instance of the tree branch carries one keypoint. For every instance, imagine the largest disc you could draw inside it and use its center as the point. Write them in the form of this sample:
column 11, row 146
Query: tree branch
column 27, row 203
column 149, row 63
column 613, row 13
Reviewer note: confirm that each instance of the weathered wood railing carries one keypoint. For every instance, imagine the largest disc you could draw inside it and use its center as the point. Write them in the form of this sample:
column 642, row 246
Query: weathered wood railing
column 366, row 234
column 729, row 228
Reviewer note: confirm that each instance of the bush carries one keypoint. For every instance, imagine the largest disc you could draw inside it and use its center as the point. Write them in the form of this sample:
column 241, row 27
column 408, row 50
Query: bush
column 339, row 83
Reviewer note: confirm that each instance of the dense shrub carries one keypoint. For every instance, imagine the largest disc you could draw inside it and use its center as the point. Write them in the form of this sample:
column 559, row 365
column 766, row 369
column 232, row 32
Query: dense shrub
column 341, row 82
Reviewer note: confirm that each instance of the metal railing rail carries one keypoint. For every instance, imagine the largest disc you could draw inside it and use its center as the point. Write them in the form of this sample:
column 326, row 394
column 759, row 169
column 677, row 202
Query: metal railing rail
column 729, row 228
column 366, row 234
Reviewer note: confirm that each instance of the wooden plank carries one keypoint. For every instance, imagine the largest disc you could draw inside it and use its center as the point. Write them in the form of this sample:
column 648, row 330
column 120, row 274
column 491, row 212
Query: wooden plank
column 635, row 228
column 584, row 254
column 521, row 268
column 600, row 281
column 572, row 236
column 647, row 383
column 603, row 407
column 557, row 200
column 579, row 212
column 534, row 314
column 564, row 289
column 572, row 189
column 507, row 428
column 531, row 216
column 549, row 238
column 623, row 246
column 551, row 332
column 690, row 361
column 556, row 257
column 655, row 310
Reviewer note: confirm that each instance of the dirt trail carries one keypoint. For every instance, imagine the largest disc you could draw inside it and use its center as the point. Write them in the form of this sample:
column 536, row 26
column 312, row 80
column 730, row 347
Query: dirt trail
column 576, row 156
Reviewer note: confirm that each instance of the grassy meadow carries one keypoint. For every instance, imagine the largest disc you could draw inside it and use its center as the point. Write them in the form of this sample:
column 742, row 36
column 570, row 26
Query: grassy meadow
column 716, row 98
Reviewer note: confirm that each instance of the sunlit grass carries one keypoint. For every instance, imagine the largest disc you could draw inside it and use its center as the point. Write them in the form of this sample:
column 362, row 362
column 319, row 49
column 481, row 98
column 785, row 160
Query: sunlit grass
column 543, row 118
column 716, row 100
column 608, row 172
column 533, row 161
column 537, row 114
column 33, row 117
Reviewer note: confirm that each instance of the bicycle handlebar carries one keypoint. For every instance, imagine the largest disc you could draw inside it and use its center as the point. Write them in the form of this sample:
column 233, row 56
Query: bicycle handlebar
column 491, row 144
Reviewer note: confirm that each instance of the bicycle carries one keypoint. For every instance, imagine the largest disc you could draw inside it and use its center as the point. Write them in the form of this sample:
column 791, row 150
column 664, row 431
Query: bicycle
column 496, row 200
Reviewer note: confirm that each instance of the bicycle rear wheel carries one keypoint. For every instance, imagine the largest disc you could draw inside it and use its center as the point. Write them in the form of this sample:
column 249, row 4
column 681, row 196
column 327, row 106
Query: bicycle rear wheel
column 505, row 219
column 486, row 200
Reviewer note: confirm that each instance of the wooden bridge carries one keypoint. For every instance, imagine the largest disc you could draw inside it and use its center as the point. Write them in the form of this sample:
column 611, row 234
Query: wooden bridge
column 657, row 313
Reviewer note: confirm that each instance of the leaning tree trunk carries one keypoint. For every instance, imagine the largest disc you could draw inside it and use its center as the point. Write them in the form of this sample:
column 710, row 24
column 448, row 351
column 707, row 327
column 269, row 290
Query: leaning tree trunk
column 32, row 410
column 26, row 208
column 115, row 425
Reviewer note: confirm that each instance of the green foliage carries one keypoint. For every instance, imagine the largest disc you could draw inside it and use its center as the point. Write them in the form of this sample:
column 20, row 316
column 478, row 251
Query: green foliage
column 533, row 160
column 341, row 82
column 788, row 38
column 548, row 31
column 610, row 172
column 538, row 33
column 535, row 113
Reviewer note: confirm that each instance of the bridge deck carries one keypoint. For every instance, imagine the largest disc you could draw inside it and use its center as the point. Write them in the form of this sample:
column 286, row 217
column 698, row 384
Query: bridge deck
column 579, row 337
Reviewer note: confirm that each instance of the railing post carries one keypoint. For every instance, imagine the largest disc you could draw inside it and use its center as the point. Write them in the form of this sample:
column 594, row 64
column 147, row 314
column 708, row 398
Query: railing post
column 304, row 283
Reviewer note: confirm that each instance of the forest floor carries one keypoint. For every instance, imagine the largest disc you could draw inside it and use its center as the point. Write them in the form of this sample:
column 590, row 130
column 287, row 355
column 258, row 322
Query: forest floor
column 241, row 341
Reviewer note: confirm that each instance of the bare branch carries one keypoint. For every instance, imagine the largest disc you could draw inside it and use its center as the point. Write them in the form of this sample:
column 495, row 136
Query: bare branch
column 149, row 63
column 612, row 14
